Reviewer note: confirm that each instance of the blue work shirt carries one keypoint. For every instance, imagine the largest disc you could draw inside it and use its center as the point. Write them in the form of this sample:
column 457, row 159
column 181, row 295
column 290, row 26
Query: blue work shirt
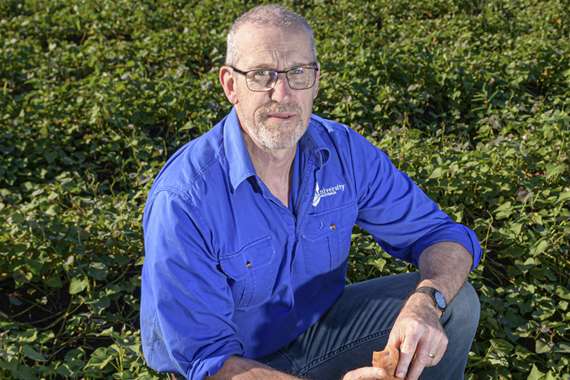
column 230, row 270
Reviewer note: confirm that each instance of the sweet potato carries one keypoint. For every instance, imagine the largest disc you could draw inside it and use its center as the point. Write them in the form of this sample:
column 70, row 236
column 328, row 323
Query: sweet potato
column 388, row 360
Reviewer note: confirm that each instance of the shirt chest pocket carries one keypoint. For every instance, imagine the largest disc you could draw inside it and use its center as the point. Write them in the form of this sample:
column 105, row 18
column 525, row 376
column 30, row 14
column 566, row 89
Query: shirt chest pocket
column 251, row 272
column 326, row 239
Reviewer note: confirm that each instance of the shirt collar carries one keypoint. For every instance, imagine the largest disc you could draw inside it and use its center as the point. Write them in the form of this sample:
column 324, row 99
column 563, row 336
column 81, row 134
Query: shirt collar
column 313, row 144
column 240, row 165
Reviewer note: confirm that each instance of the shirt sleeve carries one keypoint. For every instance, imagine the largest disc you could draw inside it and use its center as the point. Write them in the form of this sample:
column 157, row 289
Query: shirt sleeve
column 400, row 216
column 182, row 288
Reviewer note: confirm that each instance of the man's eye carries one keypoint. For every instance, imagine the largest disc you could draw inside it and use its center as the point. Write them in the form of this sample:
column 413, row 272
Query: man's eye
column 297, row 71
column 262, row 73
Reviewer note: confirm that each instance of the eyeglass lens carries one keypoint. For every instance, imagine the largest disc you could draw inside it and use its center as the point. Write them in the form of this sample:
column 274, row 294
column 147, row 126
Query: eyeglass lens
column 299, row 78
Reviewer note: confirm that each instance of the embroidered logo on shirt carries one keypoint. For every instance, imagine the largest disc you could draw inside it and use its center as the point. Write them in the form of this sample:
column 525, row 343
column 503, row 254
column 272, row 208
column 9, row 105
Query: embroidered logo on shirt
column 325, row 192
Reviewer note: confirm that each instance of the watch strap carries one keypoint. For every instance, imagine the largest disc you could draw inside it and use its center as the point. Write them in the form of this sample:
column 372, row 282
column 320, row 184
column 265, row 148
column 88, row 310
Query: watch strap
column 431, row 292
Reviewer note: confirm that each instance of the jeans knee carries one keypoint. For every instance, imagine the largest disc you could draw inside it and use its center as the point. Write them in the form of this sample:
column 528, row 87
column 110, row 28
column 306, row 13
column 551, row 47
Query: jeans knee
column 466, row 309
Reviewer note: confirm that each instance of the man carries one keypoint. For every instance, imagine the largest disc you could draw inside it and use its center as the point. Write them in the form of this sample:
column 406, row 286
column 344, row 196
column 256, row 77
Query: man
column 247, row 234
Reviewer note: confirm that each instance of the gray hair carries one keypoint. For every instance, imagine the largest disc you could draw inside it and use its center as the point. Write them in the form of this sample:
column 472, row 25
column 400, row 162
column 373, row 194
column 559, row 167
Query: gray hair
column 272, row 14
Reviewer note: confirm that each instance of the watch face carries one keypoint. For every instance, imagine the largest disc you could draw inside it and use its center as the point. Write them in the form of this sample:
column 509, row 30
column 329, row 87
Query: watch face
column 440, row 300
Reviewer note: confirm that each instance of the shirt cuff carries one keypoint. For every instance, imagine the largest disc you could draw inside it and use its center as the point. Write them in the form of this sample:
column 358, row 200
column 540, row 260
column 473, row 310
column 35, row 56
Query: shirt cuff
column 456, row 233
column 209, row 366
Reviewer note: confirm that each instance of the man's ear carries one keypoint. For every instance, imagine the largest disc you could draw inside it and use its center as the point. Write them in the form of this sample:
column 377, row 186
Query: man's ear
column 228, row 83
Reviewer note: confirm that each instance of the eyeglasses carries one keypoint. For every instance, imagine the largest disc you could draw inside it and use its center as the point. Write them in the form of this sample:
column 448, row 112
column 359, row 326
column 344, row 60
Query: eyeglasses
column 299, row 77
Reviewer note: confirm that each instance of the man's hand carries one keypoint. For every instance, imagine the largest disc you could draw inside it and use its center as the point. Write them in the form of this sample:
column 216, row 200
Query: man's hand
column 419, row 336
column 417, row 332
column 238, row 368
column 366, row 373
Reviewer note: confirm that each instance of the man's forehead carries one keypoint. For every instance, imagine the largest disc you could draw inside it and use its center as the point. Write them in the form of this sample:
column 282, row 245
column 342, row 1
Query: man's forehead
column 274, row 57
column 271, row 46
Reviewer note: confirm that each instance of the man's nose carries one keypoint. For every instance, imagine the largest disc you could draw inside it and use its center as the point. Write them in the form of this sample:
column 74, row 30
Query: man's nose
column 281, row 90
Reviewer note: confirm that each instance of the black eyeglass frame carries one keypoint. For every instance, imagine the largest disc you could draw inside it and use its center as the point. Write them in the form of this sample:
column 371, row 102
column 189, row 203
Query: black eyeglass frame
column 312, row 66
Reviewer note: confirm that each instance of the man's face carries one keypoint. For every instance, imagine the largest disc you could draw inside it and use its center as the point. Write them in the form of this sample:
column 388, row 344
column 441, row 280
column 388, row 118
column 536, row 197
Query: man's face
column 275, row 119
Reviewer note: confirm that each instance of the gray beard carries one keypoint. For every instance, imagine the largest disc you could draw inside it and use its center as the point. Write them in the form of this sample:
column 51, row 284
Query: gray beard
column 274, row 138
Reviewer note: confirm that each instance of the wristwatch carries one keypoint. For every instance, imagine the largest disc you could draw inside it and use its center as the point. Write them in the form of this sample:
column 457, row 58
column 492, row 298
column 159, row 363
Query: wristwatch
column 436, row 296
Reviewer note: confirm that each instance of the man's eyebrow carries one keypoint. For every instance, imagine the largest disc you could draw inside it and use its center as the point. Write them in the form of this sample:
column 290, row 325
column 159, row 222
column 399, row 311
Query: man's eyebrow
column 272, row 66
column 262, row 66
column 296, row 64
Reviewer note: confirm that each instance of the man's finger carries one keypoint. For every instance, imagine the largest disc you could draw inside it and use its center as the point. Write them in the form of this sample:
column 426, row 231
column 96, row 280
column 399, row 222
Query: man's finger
column 434, row 350
column 440, row 351
column 366, row 373
column 407, row 350
column 394, row 340
column 420, row 361
column 372, row 373
column 426, row 357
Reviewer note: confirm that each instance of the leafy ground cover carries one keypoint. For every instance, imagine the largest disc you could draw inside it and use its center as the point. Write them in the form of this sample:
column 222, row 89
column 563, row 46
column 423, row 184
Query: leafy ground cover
column 471, row 98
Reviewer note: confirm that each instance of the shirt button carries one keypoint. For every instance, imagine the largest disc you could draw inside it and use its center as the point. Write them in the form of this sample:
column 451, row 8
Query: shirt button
column 333, row 227
column 248, row 264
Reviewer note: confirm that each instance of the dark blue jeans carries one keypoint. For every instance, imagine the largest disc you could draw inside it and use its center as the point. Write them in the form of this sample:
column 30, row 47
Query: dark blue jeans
column 360, row 322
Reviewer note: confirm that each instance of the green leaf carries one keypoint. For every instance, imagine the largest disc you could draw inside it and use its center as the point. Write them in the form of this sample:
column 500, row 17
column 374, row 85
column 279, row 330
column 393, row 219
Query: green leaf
column 562, row 347
column 501, row 346
column 516, row 228
column 107, row 332
column 78, row 284
column 437, row 173
column 530, row 261
column 539, row 247
column 535, row 374
column 563, row 293
column 100, row 358
column 53, row 282
column 28, row 336
column 555, row 170
column 98, row 271
column 379, row 263
column 563, row 197
column 33, row 354
column 541, row 347
column 504, row 210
